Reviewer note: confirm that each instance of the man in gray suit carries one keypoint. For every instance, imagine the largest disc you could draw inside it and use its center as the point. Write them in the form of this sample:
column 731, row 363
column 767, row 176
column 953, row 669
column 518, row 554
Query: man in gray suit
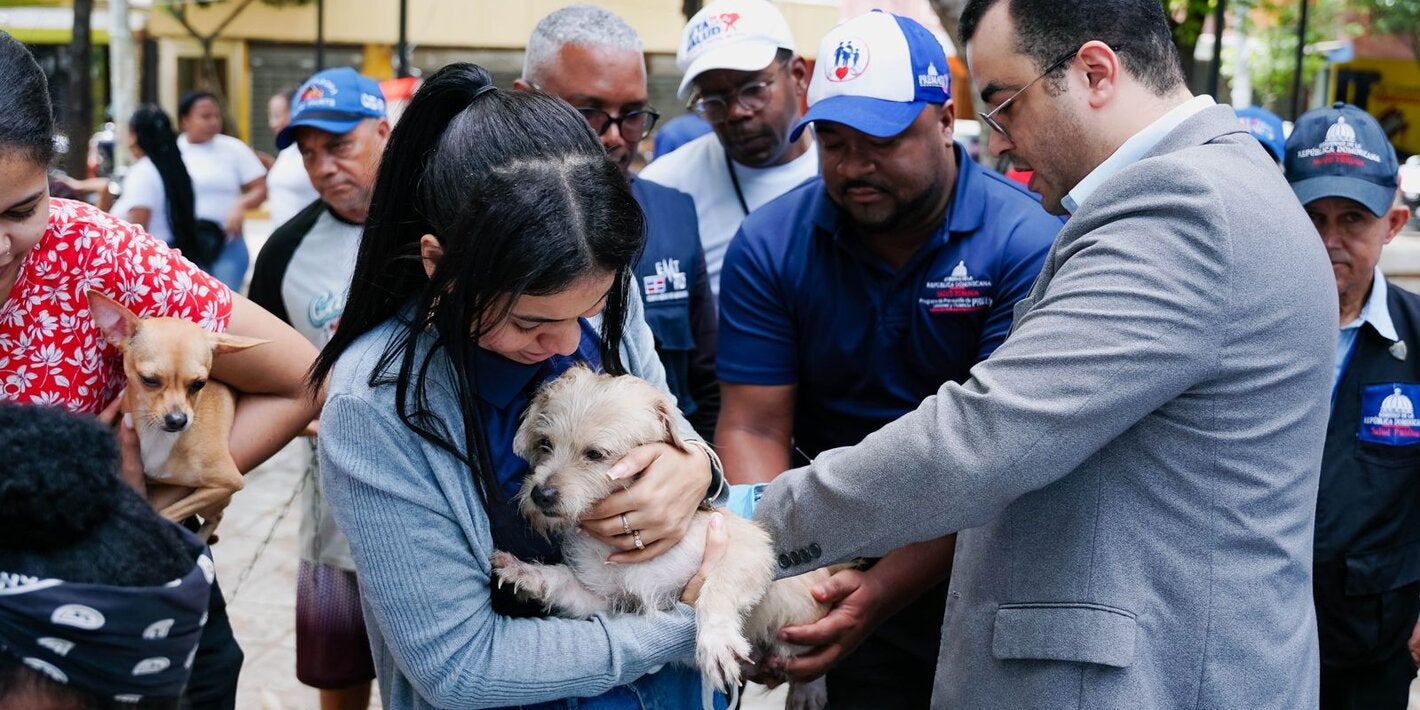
column 1133, row 473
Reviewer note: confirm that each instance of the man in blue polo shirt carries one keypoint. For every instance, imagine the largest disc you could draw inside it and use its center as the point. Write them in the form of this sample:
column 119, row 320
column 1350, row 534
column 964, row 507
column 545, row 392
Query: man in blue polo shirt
column 852, row 298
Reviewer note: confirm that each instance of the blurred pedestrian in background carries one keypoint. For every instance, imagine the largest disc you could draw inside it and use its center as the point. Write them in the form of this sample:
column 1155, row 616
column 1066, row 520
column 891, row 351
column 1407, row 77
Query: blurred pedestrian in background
column 227, row 179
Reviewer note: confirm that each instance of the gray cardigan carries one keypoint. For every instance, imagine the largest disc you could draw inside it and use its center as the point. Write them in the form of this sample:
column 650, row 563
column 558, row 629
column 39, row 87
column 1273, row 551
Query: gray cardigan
column 1134, row 472
column 421, row 544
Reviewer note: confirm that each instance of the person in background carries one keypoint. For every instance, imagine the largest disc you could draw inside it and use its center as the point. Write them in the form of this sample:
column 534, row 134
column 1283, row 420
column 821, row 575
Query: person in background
column 1266, row 127
column 52, row 252
column 288, row 185
column 157, row 192
column 742, row 76
column 1367, row 542
column 852, row 298
column 227, row 179
column 677, row 132
column 592, row 59
column 302, row 276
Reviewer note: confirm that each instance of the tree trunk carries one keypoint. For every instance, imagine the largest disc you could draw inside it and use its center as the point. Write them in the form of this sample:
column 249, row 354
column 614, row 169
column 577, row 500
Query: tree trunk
column 79, row 114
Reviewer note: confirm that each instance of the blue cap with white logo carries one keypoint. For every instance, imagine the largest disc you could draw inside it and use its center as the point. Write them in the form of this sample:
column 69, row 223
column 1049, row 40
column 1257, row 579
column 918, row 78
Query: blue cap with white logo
column 1266, row 127
column 875, row 74
column 334, row 101
column 1342, row 151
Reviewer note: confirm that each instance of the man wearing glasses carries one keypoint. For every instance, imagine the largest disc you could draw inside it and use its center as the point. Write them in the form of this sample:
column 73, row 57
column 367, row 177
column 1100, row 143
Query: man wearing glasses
column 1132, row 475
column 852, row 298
column 742, row 76
column 590, row 58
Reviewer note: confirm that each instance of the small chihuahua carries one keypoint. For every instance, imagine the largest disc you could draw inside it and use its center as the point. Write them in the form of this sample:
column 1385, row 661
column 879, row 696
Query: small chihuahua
column 576, row 428
column 183, row 419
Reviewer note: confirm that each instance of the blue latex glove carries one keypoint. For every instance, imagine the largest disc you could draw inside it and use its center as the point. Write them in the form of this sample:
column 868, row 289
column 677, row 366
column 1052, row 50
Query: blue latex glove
column 744, row 498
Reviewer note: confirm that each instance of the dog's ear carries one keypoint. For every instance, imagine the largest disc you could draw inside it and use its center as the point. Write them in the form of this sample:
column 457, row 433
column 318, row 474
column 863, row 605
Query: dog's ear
column 525, row 439
column 228, row 343
column 666, row 412
column 116, row 322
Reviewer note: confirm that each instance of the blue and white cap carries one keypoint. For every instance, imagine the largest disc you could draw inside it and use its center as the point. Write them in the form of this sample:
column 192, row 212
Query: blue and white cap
column 335, row 101
column 1342, row 151
column 875, row 74
column 1266, row 127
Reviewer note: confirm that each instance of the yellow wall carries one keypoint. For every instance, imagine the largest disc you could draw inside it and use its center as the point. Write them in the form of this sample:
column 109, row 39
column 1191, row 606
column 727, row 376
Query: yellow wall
column 486, row 24
column 1392, row 94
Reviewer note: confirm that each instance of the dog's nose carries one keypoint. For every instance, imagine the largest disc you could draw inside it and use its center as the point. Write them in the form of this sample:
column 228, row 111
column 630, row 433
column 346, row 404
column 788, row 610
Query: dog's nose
column 544, row 496
column 174, row 421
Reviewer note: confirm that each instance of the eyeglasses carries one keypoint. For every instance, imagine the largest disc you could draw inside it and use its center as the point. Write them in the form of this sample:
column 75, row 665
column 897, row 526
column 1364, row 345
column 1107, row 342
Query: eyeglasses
column 990, row 116
column 634, row 125
column 751, row 97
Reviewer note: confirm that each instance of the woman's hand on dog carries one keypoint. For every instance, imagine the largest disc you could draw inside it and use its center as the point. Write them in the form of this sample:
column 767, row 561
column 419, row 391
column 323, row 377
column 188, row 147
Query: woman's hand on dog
column 717, row 540
column 131, row 462
column 658, row 504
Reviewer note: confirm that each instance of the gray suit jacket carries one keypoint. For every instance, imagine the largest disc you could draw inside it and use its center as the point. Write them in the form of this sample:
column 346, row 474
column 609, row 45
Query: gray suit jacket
column 1134, row 472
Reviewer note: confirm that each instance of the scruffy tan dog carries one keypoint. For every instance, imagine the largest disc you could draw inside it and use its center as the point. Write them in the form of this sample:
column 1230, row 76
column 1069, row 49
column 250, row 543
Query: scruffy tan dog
column 576, row 428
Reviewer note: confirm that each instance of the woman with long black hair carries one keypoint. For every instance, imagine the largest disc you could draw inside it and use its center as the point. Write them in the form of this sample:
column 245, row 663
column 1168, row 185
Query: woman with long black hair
column 498, row 233
column 227, row 180
column 157, row 192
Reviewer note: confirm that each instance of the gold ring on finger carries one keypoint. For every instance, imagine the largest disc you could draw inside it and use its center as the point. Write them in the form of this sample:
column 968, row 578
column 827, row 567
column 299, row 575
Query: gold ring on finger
column 636, row 535
column 625, row 526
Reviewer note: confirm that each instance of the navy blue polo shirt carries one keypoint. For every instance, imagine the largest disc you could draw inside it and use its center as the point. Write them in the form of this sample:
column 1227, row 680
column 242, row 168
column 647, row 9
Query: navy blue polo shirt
column 803, row 304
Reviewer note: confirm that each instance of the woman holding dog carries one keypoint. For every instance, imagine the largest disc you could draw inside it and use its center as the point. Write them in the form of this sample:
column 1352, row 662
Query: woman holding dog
column 52, row 251
column 497, row 232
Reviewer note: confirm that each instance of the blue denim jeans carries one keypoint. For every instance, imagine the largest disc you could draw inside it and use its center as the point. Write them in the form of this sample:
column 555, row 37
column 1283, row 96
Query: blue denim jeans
column 231, row 265
column 674, row 687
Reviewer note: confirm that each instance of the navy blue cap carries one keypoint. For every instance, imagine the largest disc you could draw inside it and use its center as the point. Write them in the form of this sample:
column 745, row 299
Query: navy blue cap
column 1266, row 127
column 875, row 74
column 1341, row 151
column 334, row 101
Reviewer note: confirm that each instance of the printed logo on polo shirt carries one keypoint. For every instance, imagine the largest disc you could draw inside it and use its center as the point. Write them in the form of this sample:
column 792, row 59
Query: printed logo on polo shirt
column 710, row 28
column 667, row 284
column 959, row 292
column 324, row 312
column 1340, row 146
column 1388, row 414
column 850, row 60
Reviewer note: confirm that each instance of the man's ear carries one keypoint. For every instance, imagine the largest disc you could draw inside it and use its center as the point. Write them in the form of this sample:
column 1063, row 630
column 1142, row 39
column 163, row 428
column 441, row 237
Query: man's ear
column 799, row 69
column 430, row 252
column 948, row 122
column 1396, row 218
column 521, row 84
column 1102, row 69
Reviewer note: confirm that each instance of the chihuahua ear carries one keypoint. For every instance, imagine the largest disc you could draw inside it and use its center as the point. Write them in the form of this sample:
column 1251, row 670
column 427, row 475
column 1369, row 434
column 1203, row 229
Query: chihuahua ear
column 227, row 343
column 116, row 322
column 666, row 412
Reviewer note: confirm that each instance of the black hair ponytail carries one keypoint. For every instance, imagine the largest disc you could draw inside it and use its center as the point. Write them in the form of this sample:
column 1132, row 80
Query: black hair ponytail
column 155, row 136
column 523, row 200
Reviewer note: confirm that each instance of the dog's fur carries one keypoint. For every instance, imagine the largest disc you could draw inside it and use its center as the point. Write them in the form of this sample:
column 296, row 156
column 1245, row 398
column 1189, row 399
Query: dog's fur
column 576, row 428
column 183, row 419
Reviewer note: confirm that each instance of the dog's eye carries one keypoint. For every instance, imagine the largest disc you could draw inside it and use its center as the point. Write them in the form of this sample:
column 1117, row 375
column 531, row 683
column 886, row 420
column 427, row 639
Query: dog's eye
column 196, row 386
column 148, row 381
column 544, row 445
column 594, row 455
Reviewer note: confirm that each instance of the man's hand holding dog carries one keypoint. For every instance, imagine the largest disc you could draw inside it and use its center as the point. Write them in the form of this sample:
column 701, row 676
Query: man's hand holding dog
column 657, row 504
column 858, row 604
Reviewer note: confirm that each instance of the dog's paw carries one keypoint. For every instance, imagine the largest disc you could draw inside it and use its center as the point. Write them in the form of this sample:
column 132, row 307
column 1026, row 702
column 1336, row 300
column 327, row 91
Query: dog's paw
column 719, row 653
column 812, row 695
column 527, row 578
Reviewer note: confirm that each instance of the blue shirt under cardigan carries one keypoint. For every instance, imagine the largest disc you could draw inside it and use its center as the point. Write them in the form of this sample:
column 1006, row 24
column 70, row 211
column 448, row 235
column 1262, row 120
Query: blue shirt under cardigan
column 422, row 541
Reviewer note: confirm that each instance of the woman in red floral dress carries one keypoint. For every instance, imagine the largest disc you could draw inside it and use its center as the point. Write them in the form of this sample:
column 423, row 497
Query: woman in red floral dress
column 52, row 251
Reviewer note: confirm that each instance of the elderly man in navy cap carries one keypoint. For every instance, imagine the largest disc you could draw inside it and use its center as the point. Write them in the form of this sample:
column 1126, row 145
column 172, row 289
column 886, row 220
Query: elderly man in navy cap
column 853, row 297
column 1367, row 543
column 302, row 276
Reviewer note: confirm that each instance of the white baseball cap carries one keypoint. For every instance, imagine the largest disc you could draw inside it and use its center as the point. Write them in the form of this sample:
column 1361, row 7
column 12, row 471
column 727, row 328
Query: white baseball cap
column 740, row 35
column 875, row 74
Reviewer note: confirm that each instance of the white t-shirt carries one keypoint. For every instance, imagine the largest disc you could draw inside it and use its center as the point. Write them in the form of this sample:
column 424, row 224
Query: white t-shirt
column 219, row 168
column 288, row 186
column 143, row 188
column 699, row 169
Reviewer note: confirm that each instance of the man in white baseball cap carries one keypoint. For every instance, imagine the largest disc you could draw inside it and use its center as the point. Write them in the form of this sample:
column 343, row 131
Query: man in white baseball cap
column 850, row 300
column 741, row 75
